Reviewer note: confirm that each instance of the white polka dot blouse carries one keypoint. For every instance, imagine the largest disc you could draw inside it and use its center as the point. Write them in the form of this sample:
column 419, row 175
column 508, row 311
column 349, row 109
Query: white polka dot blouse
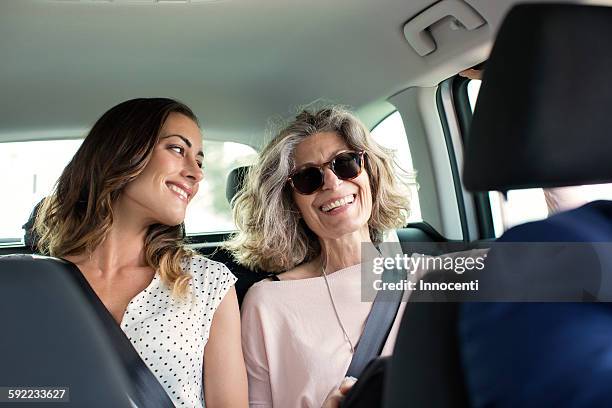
column 170, row 334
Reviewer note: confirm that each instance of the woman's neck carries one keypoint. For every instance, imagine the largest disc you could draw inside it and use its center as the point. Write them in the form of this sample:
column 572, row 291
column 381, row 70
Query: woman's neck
column 123, row 246
column 340, row 253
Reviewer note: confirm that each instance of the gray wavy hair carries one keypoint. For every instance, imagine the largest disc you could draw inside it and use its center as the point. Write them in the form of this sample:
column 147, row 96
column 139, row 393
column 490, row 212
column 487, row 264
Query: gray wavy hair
column 271, row 234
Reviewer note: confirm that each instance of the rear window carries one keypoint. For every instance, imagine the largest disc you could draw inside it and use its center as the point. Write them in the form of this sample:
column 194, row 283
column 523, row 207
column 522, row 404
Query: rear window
column 210, row 211
column 390, row 133
column 29, row 171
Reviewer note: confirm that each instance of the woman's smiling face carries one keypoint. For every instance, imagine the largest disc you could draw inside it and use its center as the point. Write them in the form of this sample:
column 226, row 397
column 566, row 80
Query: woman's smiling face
column 339, row 207
column 171, row 178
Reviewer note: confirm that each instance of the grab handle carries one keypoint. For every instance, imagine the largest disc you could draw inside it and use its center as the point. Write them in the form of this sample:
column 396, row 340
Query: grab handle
column 416, row 30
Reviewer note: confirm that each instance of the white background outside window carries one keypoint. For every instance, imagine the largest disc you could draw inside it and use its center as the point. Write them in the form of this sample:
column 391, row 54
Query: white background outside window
column 391, row 134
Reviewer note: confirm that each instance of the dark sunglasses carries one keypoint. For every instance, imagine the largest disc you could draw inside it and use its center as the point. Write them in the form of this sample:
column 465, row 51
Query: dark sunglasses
column 310, row 178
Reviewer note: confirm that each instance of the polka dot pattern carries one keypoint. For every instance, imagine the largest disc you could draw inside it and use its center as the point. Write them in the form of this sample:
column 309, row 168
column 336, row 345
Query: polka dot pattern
column 170, row 334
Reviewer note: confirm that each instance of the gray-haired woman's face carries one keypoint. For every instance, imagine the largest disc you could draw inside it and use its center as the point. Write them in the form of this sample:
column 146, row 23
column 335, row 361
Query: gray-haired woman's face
column 339, row 207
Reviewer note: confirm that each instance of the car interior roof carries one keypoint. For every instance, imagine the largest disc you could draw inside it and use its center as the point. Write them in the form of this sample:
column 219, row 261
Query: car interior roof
column 239, row 64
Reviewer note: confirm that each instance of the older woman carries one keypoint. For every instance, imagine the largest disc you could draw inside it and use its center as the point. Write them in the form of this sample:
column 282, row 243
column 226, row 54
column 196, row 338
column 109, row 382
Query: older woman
column 321, row 189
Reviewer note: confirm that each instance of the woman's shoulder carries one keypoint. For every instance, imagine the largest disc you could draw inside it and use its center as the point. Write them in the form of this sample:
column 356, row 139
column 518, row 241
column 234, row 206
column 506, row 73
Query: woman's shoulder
column 267, row 291
column 197, row 260
column 260, row 290
column 280, row 287
column 276, row 282
column 303, row 271
column 205, row 270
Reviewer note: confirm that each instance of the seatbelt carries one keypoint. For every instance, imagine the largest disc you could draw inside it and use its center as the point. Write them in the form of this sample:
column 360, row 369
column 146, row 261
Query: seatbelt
column 378, row 325
column 148, row 392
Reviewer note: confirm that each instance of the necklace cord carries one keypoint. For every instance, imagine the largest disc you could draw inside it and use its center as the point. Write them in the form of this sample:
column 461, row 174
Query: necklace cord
column 331, row 298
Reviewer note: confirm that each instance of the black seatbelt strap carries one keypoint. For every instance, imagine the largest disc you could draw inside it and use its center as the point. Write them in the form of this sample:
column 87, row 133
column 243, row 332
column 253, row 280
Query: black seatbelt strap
column 148, row 392
column 378, row 325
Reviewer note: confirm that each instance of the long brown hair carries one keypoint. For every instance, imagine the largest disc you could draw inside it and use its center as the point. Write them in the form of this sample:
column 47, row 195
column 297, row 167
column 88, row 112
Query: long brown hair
column 78, row 215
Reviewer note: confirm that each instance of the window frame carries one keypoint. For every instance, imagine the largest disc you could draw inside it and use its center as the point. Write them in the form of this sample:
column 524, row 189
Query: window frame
column 417, row 106
column 444, row 101
column 463, row 111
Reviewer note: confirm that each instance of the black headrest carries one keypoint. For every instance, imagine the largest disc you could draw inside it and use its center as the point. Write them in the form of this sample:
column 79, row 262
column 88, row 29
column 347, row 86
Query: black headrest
column 55, row 308
column 543, row 117
column 234, row 181
column 52, row 337
column 30, row 238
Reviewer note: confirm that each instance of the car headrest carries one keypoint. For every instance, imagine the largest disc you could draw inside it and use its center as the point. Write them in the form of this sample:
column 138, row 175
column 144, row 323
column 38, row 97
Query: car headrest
column 234, row 182
column 542, row 118
column 30, row 238
column 53, row 337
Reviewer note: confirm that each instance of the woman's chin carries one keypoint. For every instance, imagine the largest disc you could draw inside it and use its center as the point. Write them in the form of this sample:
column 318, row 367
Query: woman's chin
column 350, row 229
column 171, row 221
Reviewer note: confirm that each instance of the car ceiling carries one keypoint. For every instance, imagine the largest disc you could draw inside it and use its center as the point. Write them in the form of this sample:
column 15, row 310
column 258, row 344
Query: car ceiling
column 240, row 64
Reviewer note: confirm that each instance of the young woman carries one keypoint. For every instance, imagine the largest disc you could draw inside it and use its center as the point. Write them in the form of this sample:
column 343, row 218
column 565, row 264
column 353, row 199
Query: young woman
column 117, row 213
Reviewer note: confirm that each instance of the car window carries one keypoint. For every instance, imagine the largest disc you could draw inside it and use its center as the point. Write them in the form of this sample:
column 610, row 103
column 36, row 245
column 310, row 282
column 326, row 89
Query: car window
column 210, row 211
column 30, row 169
column 391, row 134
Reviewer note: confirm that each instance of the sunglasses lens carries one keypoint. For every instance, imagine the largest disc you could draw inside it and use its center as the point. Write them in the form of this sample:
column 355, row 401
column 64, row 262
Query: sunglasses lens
column 307, row 180
column 347, row 165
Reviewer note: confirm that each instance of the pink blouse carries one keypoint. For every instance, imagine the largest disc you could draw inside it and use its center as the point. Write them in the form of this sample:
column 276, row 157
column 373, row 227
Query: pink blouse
column 294, row 348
